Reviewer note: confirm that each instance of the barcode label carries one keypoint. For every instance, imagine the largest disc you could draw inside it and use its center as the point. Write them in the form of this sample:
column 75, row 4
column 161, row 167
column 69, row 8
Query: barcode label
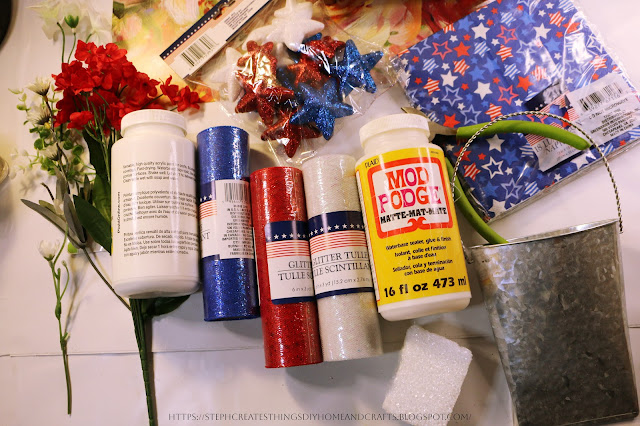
column 601, row 97
column 608, row 107
column 233, row 236
column 204, row 39
column 236, row 192
column 199, row 50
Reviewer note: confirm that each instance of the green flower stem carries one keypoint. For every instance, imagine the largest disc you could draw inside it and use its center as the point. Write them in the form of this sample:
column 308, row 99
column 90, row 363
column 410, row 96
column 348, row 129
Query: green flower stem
column 86, row 253
column 146, row 359
column 65, row 360
column 63, row 337
column 73, row 46
column 63, row 40
column 470, row 214
column 530, row 127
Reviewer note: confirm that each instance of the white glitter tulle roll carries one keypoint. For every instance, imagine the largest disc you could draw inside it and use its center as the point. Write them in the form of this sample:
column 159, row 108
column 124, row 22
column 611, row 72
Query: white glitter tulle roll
column 349, row 327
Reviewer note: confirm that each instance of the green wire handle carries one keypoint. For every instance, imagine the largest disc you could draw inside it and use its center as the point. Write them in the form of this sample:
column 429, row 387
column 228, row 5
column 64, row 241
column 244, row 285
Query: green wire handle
column 500, row 125
column 528, row 127
column 467, row 210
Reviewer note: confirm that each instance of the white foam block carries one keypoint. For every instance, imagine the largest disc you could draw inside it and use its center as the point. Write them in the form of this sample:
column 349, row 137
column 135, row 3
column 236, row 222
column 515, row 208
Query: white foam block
column 428, row 381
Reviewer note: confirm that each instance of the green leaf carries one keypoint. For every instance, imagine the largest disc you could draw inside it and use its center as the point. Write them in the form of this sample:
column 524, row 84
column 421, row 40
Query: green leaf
column 70, row 214
column 77, row 150
column 53, row 218
column 163, row 305
column 62, row 186
column 86, row 187
column 72, row 249
column 48, row 206
column 118, row 9
column 102, row 196
column 96, row 156
column 96, row 225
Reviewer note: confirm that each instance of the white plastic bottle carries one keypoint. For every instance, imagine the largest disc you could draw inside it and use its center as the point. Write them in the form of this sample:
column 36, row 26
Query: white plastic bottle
column 412, row 232
column 153, row 207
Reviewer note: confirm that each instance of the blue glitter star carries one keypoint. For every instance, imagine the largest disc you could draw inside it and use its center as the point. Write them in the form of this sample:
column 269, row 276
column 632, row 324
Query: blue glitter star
column 321, row 107
column 354, row 70
column 316, row 36
column 286, row 79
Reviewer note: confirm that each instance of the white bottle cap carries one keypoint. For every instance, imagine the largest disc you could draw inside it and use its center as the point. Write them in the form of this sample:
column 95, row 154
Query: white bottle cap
column 153, row 116
column 393, row 122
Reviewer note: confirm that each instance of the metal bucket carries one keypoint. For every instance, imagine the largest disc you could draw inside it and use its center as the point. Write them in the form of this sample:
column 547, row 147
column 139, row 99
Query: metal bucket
column 556, row 306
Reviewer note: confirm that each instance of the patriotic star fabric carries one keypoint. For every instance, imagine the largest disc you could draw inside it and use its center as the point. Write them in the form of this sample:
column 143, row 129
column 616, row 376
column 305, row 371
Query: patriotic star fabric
column 509, row 56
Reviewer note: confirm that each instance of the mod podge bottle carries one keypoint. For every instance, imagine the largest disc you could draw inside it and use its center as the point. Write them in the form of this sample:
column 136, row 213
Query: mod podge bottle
column 153, row 207
column 412, row 232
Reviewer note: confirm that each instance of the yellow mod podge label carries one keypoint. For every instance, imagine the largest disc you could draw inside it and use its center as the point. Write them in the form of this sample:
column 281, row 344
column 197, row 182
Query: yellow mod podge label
column 411, row 225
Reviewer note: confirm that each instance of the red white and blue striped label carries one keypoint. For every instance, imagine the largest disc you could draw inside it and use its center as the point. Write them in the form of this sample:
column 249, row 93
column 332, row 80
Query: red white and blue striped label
column 289, row 262
column 225, row 220
column 207, row 215
column 339, row 254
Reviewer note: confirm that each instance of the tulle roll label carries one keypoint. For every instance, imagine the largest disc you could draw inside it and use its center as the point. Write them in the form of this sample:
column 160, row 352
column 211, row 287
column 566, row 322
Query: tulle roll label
column 225, row 220
column 289, row 262
column 339, row 254
column 416, row 250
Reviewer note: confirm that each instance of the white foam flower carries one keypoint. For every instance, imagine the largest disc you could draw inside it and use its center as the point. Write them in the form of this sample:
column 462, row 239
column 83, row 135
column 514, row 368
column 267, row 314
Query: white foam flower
column 48, row 249
column 41, row 86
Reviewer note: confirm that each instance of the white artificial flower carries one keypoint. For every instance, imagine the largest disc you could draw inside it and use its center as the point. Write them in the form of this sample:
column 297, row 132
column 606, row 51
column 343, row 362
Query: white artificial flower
column 100, row 28
column 91, row 22
column 51, row 12
column 51, row 151
column 41, row 86
column 37, row 115
column 48, row 249
column 183, row 12
column 19, row 162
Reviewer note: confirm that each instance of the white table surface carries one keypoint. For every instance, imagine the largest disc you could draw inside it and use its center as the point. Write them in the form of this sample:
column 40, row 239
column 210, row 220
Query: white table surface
column 203, row 368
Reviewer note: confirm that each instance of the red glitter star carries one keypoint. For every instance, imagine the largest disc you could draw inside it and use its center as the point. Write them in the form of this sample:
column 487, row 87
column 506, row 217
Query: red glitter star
column 307, row 71
column 258, row 64
column 263, row 98
column 290, row 135
column 326, row 45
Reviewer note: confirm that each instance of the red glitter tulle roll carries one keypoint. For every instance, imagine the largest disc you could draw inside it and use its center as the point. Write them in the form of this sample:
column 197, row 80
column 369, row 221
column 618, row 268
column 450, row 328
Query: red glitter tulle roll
column 290, row 330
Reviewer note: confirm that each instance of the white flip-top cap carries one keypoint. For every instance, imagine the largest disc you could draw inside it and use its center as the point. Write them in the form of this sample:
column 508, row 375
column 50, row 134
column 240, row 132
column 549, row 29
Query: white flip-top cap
column 150, row 116
column 393, row 122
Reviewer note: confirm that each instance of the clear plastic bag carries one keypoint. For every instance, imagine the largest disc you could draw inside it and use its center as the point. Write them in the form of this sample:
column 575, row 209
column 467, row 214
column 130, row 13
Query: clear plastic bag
column 292, row 77
column 512, row 56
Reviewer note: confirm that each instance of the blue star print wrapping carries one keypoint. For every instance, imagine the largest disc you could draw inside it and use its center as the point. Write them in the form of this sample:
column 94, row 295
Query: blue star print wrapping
column 520, row 55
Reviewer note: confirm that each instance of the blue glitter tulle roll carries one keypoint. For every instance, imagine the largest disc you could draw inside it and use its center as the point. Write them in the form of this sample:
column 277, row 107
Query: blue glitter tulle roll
column 229, row 284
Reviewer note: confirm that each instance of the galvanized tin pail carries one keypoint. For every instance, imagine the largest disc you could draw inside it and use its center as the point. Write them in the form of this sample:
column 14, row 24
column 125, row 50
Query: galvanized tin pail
column 556, row 306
